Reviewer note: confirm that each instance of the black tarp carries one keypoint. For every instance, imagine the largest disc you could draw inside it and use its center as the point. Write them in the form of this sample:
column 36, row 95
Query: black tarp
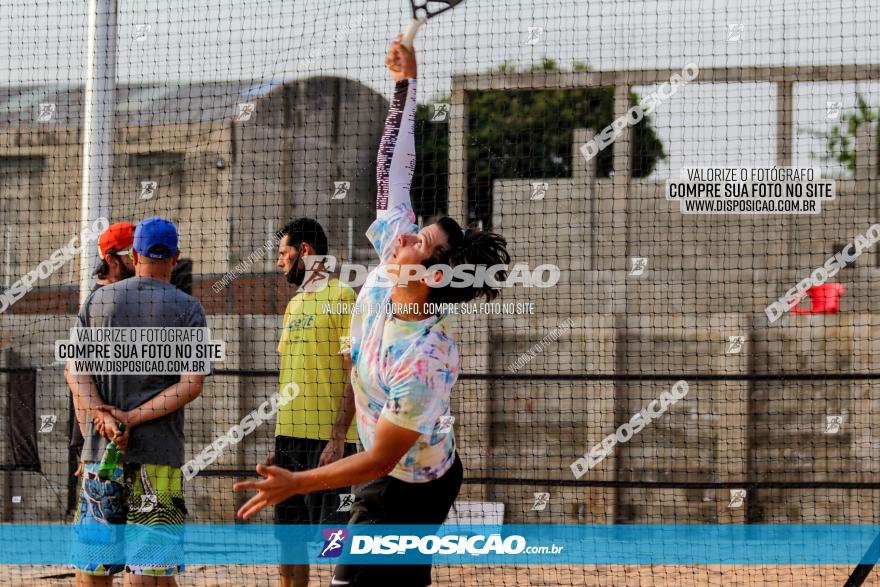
column 21, row 416
column 181, row 276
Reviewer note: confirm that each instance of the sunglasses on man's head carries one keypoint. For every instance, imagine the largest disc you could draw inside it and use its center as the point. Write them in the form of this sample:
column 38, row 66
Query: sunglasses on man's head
column 127, row 253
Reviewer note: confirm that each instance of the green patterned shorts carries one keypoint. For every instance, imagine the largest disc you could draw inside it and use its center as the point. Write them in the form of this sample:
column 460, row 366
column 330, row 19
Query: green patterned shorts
column 146, row 495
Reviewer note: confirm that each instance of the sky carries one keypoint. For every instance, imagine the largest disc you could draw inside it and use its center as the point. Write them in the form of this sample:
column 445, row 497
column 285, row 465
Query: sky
column 44, row 41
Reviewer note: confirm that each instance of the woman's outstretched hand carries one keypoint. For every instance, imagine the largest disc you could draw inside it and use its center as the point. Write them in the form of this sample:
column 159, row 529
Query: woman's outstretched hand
column 277, row 485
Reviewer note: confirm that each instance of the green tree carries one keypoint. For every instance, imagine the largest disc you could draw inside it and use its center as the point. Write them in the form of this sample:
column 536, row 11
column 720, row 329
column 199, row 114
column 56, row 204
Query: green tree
column 521, row 134
column 840, row 141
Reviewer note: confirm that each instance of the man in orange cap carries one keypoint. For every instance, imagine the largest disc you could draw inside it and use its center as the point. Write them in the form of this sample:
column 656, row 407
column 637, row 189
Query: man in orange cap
column 114, row 246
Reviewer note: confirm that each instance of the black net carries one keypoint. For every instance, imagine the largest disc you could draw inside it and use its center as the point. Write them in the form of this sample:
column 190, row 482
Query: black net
column 688, row 193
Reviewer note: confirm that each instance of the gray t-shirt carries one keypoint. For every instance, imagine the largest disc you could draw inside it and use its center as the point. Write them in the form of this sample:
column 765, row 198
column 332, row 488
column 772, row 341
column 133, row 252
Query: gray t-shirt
column 140, row 302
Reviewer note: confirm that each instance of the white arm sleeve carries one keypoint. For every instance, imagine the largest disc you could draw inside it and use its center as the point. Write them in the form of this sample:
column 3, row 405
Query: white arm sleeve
column 396, row 160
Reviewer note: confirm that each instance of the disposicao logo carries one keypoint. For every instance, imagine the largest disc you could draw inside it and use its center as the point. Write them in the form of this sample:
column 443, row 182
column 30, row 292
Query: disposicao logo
column 334, row 540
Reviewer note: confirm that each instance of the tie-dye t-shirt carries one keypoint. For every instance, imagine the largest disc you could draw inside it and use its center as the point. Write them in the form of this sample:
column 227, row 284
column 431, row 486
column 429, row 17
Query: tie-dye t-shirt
column 403, row 371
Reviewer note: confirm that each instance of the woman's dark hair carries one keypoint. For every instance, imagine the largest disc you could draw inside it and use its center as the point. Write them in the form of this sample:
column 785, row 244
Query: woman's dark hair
column 480, row 248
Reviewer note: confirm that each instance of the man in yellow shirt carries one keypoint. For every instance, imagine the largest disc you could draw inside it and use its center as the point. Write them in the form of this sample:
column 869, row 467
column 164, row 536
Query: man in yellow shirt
column 315, row 428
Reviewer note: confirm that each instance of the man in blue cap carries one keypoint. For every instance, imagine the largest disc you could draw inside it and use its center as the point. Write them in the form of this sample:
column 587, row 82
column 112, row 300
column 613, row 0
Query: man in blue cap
column 147, row 487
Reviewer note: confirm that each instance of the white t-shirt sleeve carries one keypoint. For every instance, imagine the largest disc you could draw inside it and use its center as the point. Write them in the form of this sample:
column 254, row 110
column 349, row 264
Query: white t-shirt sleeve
column 383, row 231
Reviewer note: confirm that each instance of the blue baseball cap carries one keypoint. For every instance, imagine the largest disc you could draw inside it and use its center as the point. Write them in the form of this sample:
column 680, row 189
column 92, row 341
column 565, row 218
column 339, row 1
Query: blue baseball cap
column 155, row 238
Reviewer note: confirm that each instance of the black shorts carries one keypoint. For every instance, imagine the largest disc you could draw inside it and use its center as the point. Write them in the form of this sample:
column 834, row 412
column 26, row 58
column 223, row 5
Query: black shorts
column 320, row 507
column 391, row 501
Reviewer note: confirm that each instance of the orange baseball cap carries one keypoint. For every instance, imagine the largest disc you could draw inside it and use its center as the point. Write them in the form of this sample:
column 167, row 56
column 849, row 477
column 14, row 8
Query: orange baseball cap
column 117, row 237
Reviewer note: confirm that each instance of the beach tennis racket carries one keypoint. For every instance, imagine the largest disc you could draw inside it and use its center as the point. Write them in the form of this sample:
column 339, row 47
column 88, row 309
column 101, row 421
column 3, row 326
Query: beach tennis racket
column 422, row 11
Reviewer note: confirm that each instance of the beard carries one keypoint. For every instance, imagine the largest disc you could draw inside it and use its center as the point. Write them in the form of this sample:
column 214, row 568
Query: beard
column 296, row 275
column 125, row 272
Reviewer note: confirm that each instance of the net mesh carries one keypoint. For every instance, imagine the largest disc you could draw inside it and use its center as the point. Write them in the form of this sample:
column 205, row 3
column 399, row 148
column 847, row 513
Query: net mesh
column 233, row 119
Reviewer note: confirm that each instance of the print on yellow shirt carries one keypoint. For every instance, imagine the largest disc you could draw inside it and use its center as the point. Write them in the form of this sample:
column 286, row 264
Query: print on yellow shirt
column 310, row 346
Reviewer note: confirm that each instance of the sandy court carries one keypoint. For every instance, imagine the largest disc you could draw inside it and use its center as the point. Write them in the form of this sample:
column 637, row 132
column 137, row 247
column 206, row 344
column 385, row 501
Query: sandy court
column 500, row 576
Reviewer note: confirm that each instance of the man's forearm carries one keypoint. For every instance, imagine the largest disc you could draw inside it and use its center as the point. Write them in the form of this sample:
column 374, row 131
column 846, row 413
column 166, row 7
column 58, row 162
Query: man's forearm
column 169, row 401
column 345, row 414
column 79, row 411
column 357, row 468
column 390, row 444
column 81, row 414
column 86, row 398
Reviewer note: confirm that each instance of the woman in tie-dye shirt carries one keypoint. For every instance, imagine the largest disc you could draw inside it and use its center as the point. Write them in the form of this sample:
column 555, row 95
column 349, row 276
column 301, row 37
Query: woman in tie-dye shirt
column 404, row 361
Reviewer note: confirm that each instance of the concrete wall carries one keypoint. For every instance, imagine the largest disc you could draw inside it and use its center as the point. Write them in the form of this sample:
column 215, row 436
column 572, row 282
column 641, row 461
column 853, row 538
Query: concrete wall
column 301, row 141
column 708, row 278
